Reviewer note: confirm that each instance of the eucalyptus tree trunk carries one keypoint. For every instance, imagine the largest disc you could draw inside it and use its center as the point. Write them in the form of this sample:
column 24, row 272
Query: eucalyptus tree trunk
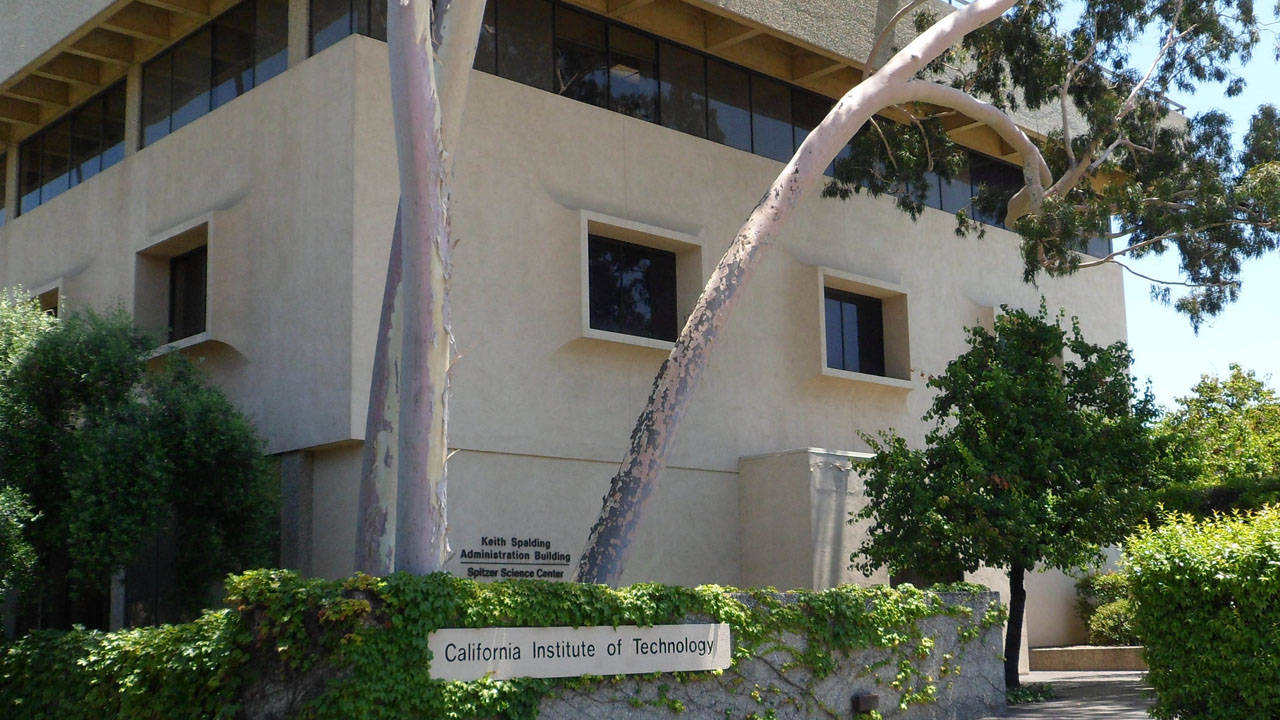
column 603, row 557
column 402, row 518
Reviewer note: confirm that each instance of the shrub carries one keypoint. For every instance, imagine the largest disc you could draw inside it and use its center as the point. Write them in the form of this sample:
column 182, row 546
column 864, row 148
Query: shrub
column 114, row 452
column 1112, row 624
column 1103, row 603
column 1097, row 589
column 1206, row 594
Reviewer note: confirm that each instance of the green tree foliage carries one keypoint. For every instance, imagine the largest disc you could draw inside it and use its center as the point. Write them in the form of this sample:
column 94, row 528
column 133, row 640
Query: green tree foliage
column 1207, row 612
column 1227, row 431
column 17, row 557
column 112, row 455
column 1125, row 167
column 1104, row 604
column 1039, row 455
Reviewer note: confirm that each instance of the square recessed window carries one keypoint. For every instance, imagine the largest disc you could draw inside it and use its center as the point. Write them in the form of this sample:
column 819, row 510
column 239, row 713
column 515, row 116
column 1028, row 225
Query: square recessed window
column 855, row 332
column 171, row 283
column 863, row 330
column 632, row 288
column 188, row 275
column 639, row 282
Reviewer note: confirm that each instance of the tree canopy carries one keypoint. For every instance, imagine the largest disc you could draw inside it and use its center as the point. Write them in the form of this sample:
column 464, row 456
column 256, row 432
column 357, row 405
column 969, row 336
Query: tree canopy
column 1125, row 166
column 112, row 456
column 1224, row 439
column 1039, row 454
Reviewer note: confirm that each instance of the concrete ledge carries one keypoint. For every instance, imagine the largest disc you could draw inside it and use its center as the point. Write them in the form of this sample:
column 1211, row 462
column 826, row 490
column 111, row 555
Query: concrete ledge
column 1088, row 657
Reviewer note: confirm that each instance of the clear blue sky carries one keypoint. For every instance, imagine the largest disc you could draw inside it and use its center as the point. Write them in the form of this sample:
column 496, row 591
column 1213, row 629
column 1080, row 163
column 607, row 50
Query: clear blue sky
column 1165, row 349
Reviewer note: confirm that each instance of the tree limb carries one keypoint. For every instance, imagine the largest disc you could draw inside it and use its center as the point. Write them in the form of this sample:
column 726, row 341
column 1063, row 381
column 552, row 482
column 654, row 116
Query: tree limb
column 887, row 32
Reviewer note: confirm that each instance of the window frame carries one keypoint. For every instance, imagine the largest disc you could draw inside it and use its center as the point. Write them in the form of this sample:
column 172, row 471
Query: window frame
column 153, row 286
column 212, row 28
column 896, row 344
column 689, row 277
column 33, row 145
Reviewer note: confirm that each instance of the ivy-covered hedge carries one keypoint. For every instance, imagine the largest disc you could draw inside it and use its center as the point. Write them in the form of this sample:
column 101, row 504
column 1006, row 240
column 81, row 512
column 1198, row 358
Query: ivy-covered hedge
column 294, row 647
column 1208, row 608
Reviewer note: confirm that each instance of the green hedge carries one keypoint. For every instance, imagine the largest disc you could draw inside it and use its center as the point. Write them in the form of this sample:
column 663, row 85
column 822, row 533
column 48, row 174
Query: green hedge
column 1103, row 603
column 358, row 648
column 1245, row 494
column 1208, row 596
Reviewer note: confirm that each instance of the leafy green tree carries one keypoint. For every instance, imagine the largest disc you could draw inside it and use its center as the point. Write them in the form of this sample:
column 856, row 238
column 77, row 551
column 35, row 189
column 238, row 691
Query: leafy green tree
column 17, row 557
column 1230, row 427
column 112, row 456
column 1039, row 454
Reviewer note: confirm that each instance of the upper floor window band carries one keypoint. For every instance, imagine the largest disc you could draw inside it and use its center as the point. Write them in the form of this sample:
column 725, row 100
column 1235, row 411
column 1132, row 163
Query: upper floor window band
column 239, row 50
column 78, row 146
column 332, row 20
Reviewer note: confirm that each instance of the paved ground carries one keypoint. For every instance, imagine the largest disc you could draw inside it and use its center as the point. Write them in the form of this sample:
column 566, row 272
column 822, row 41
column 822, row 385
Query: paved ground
column 1088, row 696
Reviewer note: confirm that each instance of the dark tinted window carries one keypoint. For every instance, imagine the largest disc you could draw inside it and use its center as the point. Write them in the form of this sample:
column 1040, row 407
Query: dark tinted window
column 998, row 178
column 524, row 42
column 855, row 332
column 633, row 74
column 156, row 77
column 113, row 103
column 84, row 142
column 683, row 90
column 233, row 47
column 581, row 69
column 55, row 163
column 632, row 289
column 487, row 46
column 4, row 169
column 187, row 277
column 771, row 134
column 271, row 39
column 29, row 173
column 729, row 105
column 956, row 192
column 331, row 20
column 192, row 73
column 234, row 53
column 371, row 18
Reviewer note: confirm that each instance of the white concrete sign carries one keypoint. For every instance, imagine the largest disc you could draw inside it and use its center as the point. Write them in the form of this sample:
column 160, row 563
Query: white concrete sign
column 507, row 652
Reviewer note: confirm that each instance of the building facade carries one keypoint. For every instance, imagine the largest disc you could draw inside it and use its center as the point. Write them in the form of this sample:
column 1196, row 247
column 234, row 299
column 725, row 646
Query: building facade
column 226, row 172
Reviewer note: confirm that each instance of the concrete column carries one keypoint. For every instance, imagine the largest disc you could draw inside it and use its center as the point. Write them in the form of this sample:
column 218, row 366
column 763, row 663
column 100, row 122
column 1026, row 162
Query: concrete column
column 299, row 30
column 10, row 200
column 133, row 110
column 297, row 480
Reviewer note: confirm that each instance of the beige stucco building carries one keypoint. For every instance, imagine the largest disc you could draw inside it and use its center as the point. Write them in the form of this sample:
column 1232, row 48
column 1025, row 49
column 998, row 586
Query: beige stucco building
column 283, row 171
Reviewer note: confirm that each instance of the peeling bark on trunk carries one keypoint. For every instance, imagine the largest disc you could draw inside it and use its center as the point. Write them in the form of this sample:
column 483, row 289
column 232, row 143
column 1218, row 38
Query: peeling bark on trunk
column 421, row 544
column 375, row 524
column 603, row 556
column 456, row 28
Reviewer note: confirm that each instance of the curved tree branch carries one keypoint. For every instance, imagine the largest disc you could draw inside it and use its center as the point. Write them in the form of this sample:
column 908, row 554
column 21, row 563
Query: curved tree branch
column 887, row 32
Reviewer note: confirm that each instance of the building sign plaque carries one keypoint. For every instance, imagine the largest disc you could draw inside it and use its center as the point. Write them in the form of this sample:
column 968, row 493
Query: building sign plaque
column 504, row 557
column 502, row 653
